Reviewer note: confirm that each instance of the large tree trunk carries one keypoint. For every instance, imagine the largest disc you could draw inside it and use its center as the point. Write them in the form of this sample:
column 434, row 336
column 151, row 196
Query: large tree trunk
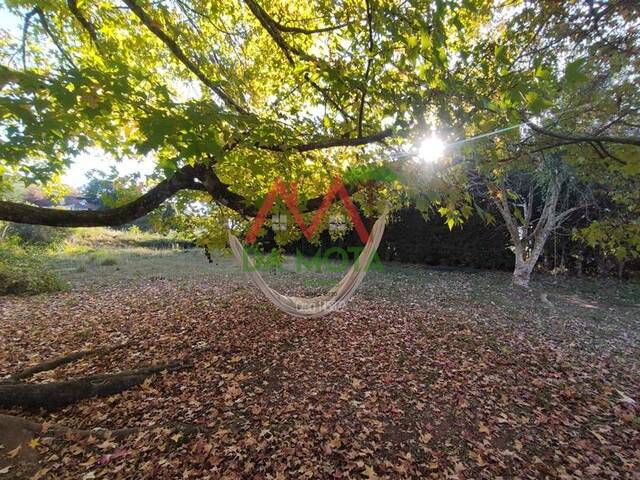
column 522, row 270
column 524, row 266
column 521, row 275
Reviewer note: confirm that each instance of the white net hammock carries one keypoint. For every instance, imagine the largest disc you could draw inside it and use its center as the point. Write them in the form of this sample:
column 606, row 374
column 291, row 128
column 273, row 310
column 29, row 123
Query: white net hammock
column 323, row 304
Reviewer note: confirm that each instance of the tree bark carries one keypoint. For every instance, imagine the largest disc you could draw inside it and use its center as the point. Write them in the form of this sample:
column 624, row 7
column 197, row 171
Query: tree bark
column 621, row 264
column 522, row 270
column 198, row 177
column 51, row 396
column 20, row 213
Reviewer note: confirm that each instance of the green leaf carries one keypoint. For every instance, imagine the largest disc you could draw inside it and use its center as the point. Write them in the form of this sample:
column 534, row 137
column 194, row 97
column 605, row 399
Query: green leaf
column 574, row 73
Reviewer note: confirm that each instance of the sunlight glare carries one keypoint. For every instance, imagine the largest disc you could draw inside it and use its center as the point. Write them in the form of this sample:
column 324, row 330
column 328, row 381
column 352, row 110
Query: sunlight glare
column 431, row 149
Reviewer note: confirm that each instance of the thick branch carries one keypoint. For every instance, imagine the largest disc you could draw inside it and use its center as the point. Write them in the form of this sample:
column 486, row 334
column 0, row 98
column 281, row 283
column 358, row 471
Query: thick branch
column 154, row 27
column 271, row 27
column 329, row 143
column 21, row 213
column 222, row 193
column 548, row 216
column 183, row 179
column 86, row 24
column 502, row 205
column 585, row 138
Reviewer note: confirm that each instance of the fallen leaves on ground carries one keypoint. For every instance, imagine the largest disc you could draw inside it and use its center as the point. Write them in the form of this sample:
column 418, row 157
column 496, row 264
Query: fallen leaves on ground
column 377, row 390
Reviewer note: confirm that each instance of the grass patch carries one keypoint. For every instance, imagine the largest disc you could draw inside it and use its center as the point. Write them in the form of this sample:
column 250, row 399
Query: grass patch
column 84, row 240
column 107, row 262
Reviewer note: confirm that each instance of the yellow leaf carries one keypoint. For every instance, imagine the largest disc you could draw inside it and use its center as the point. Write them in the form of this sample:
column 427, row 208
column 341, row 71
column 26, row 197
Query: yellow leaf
column 600, row 438
column 34, row 442
column 335, row 442
column 357, row 383
column 370, row 473
column 40, row 474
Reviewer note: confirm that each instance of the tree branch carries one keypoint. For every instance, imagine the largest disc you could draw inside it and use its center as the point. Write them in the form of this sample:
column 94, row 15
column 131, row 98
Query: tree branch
column 271, row 27
column 327, row 97
column 584, row 138
column 329, row 143
column 154, row 27
column 185, row 178
column 22, row 213
column 25, row 31
column 86, row 24
column 368, row 69
column 45, row 25
column 309, row 31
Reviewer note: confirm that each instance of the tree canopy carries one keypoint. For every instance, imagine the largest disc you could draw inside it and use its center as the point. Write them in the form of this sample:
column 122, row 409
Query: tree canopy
column 227, row 96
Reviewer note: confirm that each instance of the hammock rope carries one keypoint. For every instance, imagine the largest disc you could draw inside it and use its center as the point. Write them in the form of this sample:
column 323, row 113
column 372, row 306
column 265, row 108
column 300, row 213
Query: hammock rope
column 324, row 304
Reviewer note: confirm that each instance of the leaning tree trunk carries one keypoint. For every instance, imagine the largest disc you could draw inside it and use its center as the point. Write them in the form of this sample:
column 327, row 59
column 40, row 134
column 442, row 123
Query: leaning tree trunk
column 54, row 395
column 14, row 392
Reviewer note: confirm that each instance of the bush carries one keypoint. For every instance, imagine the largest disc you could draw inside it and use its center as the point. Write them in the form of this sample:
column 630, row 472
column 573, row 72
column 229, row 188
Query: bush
column 24, row 270
column 37, row 234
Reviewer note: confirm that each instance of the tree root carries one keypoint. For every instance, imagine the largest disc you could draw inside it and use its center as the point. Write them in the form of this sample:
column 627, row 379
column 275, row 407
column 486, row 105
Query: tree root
column 53, row 363
column 50, row 396
column 544, row 297
column 12, row 423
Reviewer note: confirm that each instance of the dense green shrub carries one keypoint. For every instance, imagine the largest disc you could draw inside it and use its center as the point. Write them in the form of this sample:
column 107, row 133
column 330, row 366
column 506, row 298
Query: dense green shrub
column 24, row 270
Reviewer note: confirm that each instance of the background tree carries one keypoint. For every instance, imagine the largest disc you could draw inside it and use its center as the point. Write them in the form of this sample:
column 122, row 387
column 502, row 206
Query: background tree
column 533, row 204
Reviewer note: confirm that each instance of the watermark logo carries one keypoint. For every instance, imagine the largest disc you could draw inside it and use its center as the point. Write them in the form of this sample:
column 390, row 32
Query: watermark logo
column 334, row 259
column 290, row 198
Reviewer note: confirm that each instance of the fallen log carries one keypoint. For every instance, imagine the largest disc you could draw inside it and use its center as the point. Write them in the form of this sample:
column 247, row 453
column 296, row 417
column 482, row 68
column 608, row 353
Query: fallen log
column 54, row 395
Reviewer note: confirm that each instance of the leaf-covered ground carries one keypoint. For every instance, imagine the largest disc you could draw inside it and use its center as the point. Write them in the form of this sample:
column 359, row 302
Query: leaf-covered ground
column 425, row 374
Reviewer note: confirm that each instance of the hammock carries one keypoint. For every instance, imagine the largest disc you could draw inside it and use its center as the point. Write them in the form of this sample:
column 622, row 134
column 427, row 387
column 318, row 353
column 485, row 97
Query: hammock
column 323, row 304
